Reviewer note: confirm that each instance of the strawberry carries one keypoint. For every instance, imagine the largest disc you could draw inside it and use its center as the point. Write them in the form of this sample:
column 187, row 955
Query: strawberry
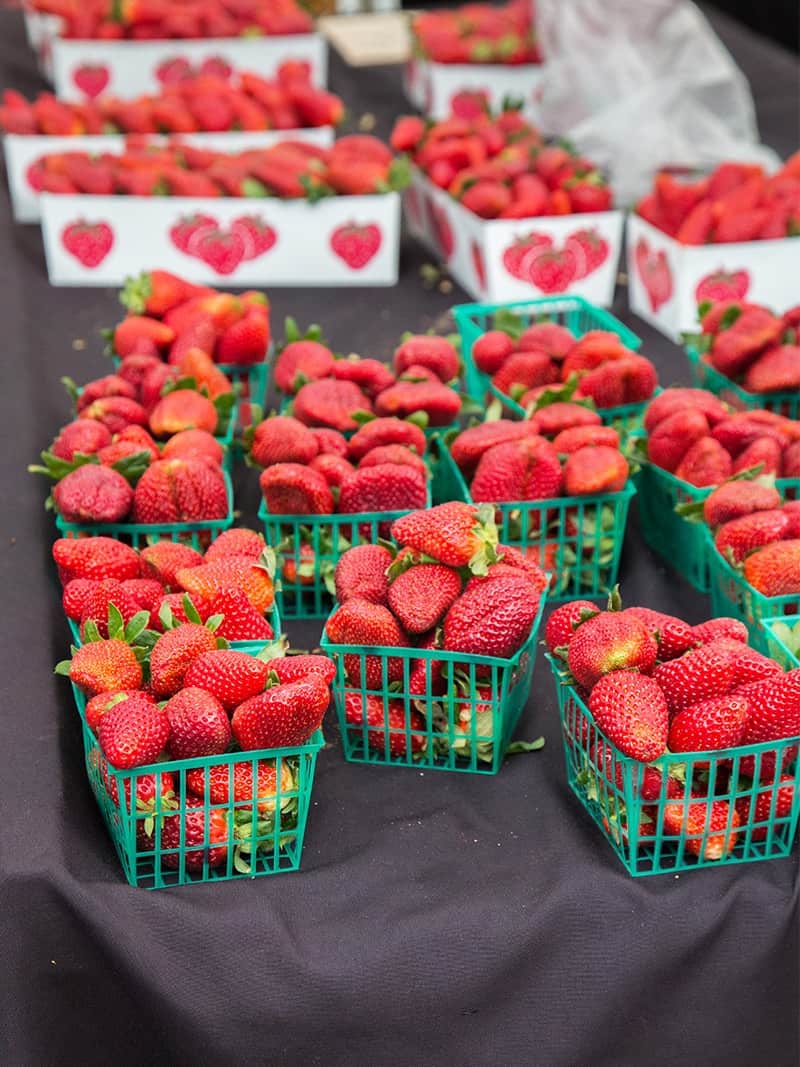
column 76, row 595
column 562, row 415
column 777, row 370
column 399, row 730
column 456, row 534
column 133, row 732
column 563, row 621
column 711, row 724
column 705, row 463
column 371, row 376
column 198, row 365
column 283, row 439
column 330, row 442
column 99, row 704
column 528, row 469
column 135, row 329
column 293, row 489
column 94, row 557
column 629, row 380
column 774, row 713
column 101, row 665
column 750, row 665
column 493, row 619
column 524, row 563
column 300, row 362
column 631, row 711
column 361, row 622
column 491, row 350
column 253, row 577
column 231, row 677
column 248, row 787
column 674, row 435
column 84, row 435
column 577, row 437
column 334, row 469
column 674, row 636
column 296, row 668
column 732, row 629
column 283, row 715
column 394, row 454
column 696, row 676
column 180, row 490
column 671, row 401
column 173, row 653
column 183, row 409
column 147, row 592
column 190, row 842
column 198, row 725
column 775, row 569
column 238, row 541
column 424, row 350
column 772, row 806
column 386, row 487
column 93, row 493
column 332, row 403
column 100, row 388
column 470, row 445
column 441, row 404
column 791, row 461
column 524, row 370
column 96, row 604
column 361, row 572
column 764, row 452
column 595, row 469
column 163, row 560
column 386, row 431
column 737, row 538
column 704, row 827
column 734, row 500
column 610, row 641
column 421, row 595
column 739, row 431
column 115, row 413
column 155, row 292
column 240, row 620
column 549, row 337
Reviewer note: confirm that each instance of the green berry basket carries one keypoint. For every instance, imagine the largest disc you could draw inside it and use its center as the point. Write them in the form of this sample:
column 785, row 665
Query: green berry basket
column 308, row 549
column 197, row 534
column 581, row 562
column 577, row 314
column 250, row 381
column 731, row 595
column 704, row 376
column 467, row 728
column 609, row 785
column 783, row 640
column 260, row 835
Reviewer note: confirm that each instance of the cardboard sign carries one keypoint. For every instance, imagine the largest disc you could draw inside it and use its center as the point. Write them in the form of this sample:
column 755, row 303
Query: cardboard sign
column 431, row 87
column 368, row 40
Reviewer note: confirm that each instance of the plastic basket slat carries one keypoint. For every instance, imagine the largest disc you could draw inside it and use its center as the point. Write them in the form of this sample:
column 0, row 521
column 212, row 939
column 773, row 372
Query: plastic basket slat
column 778, row 649
column 704, row 376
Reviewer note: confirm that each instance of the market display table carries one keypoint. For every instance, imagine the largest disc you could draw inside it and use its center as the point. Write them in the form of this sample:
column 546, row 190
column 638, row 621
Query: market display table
column 437, row 918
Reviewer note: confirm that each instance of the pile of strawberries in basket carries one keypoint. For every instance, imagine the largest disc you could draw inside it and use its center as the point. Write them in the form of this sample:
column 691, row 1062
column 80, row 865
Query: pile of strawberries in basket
column 751, row 345
column 478, row 33
column 656, row 685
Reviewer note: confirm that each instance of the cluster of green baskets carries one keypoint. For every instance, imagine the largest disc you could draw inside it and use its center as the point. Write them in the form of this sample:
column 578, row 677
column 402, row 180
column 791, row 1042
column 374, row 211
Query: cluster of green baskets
column 704, row 376
column 609, row 784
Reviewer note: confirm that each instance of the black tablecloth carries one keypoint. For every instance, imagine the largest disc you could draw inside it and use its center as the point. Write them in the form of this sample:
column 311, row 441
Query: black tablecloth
column 438, row 918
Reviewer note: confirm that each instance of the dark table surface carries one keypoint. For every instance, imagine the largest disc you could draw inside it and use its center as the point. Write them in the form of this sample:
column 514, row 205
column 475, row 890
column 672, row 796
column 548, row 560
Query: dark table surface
column 437, row 917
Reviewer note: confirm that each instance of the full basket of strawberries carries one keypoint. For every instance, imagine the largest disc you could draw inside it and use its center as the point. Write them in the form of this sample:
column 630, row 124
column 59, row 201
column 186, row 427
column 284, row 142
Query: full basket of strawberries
column 434, row 641
column 560, row 489
column 681, row 742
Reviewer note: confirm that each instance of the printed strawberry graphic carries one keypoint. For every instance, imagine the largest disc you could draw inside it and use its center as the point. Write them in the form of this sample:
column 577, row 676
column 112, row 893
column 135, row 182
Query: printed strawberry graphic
column 478, row 264
column 516, row 258
column 217, row 67
column 258, row 236
column 189, row 226
column 442, row 230
column 171, row 71
column 653, row 269
column 723, row 285
column 34, row 176
column 470, row 104
column 356, row 245
column 91, row 78
column 590, row 249
column 88, row 242
column 552, row 270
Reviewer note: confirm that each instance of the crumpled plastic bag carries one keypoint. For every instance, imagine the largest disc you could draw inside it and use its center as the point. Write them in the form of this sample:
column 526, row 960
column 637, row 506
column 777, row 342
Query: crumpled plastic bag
column 638, row 85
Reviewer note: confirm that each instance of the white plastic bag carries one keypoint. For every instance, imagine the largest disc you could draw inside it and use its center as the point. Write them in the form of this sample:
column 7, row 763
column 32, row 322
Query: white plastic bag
column 642, row 84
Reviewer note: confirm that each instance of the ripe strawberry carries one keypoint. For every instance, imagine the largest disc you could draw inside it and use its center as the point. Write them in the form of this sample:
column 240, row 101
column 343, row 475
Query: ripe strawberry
column 99, row 704
column 334, row 469
column 737, row 538
column 491, row 350
column 387, row 487
column 180, row 490
column 92, row 494
column 214, row 785
column 188, row 841
column 421, row 595
column 389, row 431
column 705, row 463
column 147, row 592
column 455, row 533
column 674, row 435
column 296, row 668
column 595, row 469
column 569, row 441
column 734, row 500
column 245, row 341
column 330, row 442
column 610, row 641
column 115, row 413
column 183, row 409
column 193, row 444
column 394, row 454
column 198, row 725
column 300, row 362
column 704, row 827
column 750, row 665
column 775, row 569
column 674, row 636
column 281, row 716
column 772, row 806
column 163, row 559
column 96, row 604
column 99, row 666
column 711, row 724
column 82, row 435
column 238, row 541
column 742, row 429
column 283, row 439
column 441, row 404
column 99, row 388
column 361, row 572
column 361, row 622
column 231, row 677
column 528, row 469
column 253, row 577
column 493, row 619
column 94, row 557
column 672, row 401
column 76, row 595
column 525, row 563
column 155, row 292
column 424, row 350
column 765, row 452
column 133, row 732
column 173, row 653
column 631, row 711
column 696, row 676
column 562, row 622
column 733, row 629
column 791, row 461
column 524, row 370
column 332, row 403
column 174, row 607
column 470, row 445
column 393, row 723
column 563, row 415
column 293, row 489
column 775, row 371
column 370, row 375
column 137, row 328
column 240, row 620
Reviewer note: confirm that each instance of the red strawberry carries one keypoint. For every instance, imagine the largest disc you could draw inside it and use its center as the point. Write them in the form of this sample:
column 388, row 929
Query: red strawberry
column 734, row 500
column 300, row 362
column 198, row 725
column 737, row 538
column 671, row 401
column 189, row 842
column 457, row 534
column 330, row 442
column 562, row 415
column 88, row 242
column 394, row 454
column 76, row 595
column 674, row 636
column 361, row 622
column 775, row 569
column 528, row 469
column 703, row 826
column 94, row 557
column 424, row 350
column 133, row 732
column 180, row 490
column 631, row 711
column 240, row 620
column 231, row 677
column 370, row 375
column 386, row 431
column 147, row 592
column 83, row 435
column 400, row 731
column 470, row 445
column 524, row 370
column 330, row 402
column 562, row 622
column 696, row 676
column 711, row 724
column 283, row 715
column 441, row 404
column 253, row 577
column 491, row 350
column 595, row 469
column 673, row 436
column 776, row 370
column 493, row 619
column 93, row 493
column 751, row 666
column 772, row 807
column 356, row 245
column 421, row 595
column 246, row 341
column 610, row 641
column 577, row 437
column 164, row 559
column 174, row 607
column 296, row 668
column 105, row 665
column 293, row 489
column 764, row 452
column 238, row 541
column 115, row 413
column 549, row 337
column 361, row 572
column 283, row 439
column 96, row 604
column 102, row 702
column 109, row 385
column 334, row 469
column 386, row 487
column 173, row 653
column 733, row 629
column 705, row 463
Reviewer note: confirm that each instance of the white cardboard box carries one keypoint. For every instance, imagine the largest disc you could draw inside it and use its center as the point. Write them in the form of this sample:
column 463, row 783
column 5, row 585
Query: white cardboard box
column 85, row 69
column 665, row 277
column 22, row 151
column 41, row 30
column 431, row 86
column 478, row 252
column 299, row 244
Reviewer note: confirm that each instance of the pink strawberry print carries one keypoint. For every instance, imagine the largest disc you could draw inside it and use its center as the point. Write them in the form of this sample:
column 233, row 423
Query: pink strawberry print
column 723, row 285
column 470, row 104
column 222, row 251
column 552, row 270
column 174, row 70
column 187, row 228
column 216, row 66
column 518, row 256
column 654, row 271
column 258, row 236
column 88, row 242
column 91, row 78
column 479, row 265
column 590, row 249
column 442, row 230
column 356, row 245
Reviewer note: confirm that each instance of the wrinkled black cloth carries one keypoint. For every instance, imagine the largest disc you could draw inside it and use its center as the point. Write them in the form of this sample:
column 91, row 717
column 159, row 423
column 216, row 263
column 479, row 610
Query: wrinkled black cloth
column 437, row 918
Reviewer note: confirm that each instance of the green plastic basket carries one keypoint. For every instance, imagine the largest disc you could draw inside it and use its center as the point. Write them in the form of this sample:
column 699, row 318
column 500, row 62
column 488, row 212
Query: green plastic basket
column 732, row 595
column 265, row 841
column 779, row 650
column 581, row 563
column 577, row 314
column 704, row 376
column 465, row 729
column 608, row 784
column 319, row 540
column 197, row 534
column 251, row 381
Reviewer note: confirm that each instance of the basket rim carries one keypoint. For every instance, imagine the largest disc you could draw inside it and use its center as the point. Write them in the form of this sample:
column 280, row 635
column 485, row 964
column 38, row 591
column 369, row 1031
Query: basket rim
column 717, row 561
column 695, row 357
column 337, row 517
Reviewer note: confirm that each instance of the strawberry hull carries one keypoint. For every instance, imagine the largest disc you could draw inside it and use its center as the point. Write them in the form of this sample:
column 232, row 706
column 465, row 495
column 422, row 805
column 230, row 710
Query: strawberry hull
column 83, row 69
column 22, row 151
column 609, row 786
column 310, row 244
column 431, row 86
column 500, row 259
column 665, row 277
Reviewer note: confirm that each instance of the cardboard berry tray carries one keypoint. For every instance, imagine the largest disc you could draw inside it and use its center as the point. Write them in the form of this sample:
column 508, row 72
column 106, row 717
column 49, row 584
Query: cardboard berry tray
column 576, row 539
column 432, row 87
column 22, row 151
column 666, row 279
column 467, row 729
column 243, row 838
column 704, row 376
column 83, row 69
column 498, row 259
column 608, row 785
column 778, row 641
column 341, row 240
